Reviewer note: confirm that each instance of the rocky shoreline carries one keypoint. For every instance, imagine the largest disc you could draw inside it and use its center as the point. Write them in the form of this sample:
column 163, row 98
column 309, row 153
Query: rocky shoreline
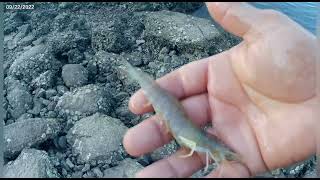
column 66, row 100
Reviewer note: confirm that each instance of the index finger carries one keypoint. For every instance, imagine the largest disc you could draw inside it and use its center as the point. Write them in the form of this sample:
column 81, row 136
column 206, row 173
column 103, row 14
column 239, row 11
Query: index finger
column 188, row 80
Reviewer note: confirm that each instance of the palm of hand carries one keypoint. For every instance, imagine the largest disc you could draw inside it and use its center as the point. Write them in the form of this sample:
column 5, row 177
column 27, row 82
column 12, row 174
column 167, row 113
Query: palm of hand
column 267, row 103
column 261, row 96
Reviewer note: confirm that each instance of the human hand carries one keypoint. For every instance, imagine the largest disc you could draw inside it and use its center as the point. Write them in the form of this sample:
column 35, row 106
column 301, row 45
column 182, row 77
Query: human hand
column 261, row 96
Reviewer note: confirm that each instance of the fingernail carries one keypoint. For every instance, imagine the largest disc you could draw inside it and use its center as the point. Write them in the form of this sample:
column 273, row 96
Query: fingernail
column 137, row 102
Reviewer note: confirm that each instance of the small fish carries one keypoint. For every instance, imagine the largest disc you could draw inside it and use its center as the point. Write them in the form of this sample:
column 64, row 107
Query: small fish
column 176, row 121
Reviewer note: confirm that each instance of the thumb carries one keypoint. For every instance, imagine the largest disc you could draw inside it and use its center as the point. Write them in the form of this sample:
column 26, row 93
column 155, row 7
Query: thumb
column 235, row 17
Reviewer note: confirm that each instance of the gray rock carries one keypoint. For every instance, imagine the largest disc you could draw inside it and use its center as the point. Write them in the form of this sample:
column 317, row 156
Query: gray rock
column 75, row 56
column 37, row 106
column 52, row 106
column 62, row 142
column 38, row 41
column 26, row 40
column 74, row 75
column 185, row 32
column 39, row 93
column 51, row 114
column 62, row 42
column 24, row 116
column 86, row 168
column 96, row 137
column 126, row 169
column 31, row 63
column 44, row 80
column 20, row 101
column 97, row 172
column 164, row 151
column 61, row 89
column 77, row 174
column 108, row 40
column 88, row 99
column 12, row 83
column 50, row 93
column 31, row 163
column 29, row 133
column 69, row 163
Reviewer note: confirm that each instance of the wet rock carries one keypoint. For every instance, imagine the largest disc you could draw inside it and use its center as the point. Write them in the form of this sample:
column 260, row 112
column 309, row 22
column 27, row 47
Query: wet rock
column 88, row 99
column 185, row 32
column 29, row 133
column 31, row 163
column 74, row 75
column 164, row 151
column 33, row 62
column 96, row 137
column 126, row 169
column 45, row 80
column 20, row 101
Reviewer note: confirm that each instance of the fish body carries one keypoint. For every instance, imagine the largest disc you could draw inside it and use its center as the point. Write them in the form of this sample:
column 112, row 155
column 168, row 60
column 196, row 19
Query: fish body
column 185, row 132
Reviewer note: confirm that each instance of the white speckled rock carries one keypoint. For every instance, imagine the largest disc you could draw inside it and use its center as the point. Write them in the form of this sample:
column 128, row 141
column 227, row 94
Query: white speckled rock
column 31, row 163
column 95, row 137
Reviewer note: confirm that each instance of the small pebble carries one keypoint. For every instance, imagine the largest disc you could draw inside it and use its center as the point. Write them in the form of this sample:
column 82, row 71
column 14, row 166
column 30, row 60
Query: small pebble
column 62, row 142
column 44, row 101
column 50, row 93
column 64, row 172
column 78, row 167
column 89, row 174
column 61, row 89
column 40, row 92
column 138, row 42
column 10, row 121
column 52, row 114
column 77, row 174
column 64, row 165
column 85, row 168
column 69, row 163
column 93, row 163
